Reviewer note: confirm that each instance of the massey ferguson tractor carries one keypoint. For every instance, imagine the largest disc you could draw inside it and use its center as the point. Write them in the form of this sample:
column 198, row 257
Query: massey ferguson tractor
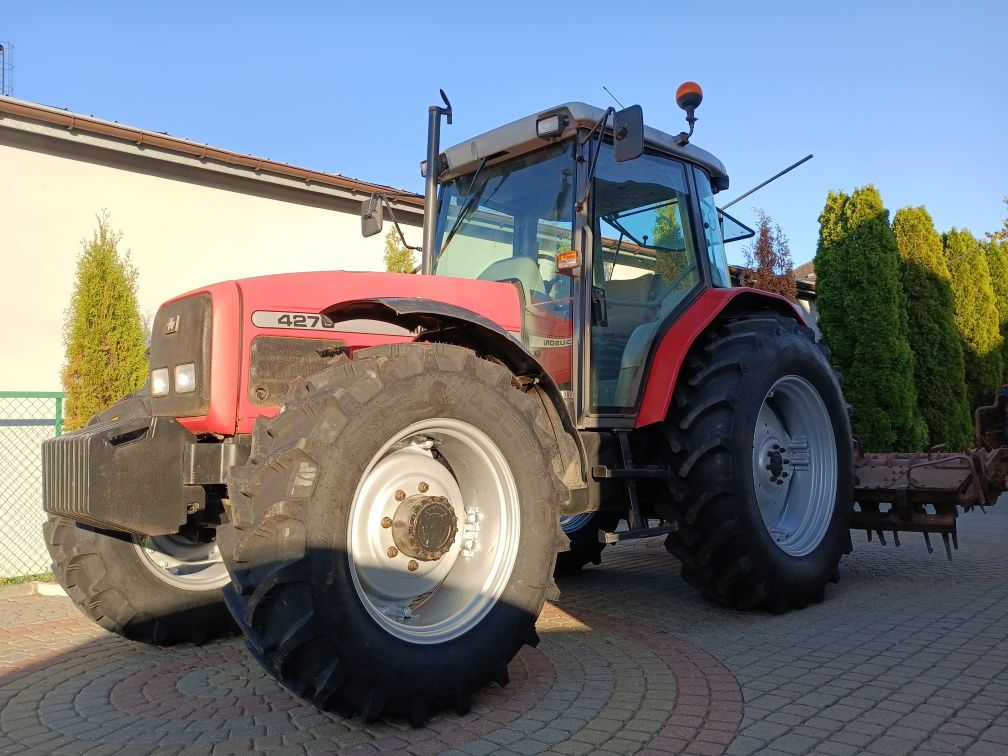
column 372, row 474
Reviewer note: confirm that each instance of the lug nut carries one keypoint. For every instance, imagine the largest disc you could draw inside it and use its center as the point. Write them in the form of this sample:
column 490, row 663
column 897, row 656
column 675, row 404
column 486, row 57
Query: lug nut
column 392, row 552
column 423, row 487
column 400, row 495
column 386, row 522
column 413, row 565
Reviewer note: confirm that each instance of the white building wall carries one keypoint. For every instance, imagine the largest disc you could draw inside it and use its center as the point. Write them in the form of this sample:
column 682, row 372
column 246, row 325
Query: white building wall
column 181, row 233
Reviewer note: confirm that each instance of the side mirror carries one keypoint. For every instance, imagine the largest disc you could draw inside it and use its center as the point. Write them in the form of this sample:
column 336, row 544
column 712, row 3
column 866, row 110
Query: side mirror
column 628, row 130
column 372, row 216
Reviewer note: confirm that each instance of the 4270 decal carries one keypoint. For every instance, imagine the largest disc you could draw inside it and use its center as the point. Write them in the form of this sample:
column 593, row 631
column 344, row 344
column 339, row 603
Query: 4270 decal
column 300, row 320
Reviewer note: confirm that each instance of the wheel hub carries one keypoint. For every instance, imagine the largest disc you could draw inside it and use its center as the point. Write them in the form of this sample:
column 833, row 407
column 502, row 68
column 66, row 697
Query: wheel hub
column 778, row 465
column 424, row 527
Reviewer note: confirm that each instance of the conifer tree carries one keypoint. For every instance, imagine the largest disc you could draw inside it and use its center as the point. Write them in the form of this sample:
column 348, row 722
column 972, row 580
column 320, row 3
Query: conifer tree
column 939, row 373
column 103, row 331
column 768, row 258
column 976, row 315
column 398, row 259
column 1001, row 235
column 862, row 316
column 997, row 262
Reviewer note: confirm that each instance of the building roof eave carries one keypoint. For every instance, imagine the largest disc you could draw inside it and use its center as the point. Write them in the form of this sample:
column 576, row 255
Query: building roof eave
column 142, row 138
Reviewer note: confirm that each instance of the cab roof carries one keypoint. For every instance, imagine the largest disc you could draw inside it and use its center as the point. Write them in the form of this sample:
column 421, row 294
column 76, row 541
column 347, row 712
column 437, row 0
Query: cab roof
column 520, row 137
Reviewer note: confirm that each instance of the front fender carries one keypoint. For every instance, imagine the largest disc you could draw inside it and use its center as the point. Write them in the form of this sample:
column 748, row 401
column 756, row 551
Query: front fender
column 446, row 323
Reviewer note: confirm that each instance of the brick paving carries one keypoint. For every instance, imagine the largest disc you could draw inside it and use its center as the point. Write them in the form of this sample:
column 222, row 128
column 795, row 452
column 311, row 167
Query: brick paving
column 908, row 654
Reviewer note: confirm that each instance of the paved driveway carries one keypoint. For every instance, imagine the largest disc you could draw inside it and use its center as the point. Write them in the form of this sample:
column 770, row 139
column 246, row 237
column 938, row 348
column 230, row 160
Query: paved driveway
column 908, row 653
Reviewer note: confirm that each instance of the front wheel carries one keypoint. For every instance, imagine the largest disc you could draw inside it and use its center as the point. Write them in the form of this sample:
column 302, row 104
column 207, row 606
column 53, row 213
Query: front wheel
column 759, row 439
column 395, row 532
column 160, row 590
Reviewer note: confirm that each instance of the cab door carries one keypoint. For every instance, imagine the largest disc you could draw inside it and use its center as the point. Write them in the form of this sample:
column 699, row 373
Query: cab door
column 644, row 272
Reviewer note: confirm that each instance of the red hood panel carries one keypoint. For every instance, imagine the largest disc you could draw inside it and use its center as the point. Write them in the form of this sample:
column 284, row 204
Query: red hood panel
column 236, row 302
column 318, row 291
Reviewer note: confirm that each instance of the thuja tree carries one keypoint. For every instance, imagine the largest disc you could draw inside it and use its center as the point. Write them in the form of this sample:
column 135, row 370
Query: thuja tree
column 976, row 315
column 103, row 330
column 997, row 261
column 1001, row 235
column 768, row 259
column 398, row 259
column 939, row 375
column 862, row 316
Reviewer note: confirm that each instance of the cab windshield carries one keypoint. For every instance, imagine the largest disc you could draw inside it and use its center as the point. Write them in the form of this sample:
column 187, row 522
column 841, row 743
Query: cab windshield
column 508, row 223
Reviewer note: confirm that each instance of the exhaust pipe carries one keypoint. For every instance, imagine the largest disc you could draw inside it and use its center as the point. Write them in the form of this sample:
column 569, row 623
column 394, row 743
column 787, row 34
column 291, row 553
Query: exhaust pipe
column 434, row 113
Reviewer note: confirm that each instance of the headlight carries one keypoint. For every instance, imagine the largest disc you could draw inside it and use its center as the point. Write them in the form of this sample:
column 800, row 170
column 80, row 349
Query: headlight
column 159, row 382
column 185, row 378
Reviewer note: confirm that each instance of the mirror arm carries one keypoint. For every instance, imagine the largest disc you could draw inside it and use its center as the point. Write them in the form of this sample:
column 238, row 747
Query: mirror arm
column 392, row 217
column 600, row 128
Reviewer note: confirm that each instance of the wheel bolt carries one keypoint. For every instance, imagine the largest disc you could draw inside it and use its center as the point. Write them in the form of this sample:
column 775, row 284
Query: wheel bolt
column 423, row 487
column 386, row 522
column 392, row 552
column 413, row 565
column 400, row 495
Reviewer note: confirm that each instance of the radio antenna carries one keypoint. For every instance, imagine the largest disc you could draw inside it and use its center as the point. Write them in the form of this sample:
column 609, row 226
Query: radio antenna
column 612, row 95
column 772, row 178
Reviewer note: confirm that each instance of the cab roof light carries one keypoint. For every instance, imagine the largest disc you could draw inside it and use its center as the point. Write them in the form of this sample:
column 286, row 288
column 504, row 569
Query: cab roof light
column 551, row 125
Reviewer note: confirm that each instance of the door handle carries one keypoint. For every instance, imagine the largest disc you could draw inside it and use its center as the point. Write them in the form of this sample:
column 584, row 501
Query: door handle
column 599, row 314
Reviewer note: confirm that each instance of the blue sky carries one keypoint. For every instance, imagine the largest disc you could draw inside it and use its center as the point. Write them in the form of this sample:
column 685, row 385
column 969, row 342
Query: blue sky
column 910, row 96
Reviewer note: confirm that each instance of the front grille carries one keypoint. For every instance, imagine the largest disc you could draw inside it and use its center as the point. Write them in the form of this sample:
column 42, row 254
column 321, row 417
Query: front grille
column 277, row 361
column 181, row 334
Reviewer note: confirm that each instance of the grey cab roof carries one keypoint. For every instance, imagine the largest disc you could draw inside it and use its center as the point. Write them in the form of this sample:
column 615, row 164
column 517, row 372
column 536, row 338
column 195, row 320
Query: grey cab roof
column 520, row 136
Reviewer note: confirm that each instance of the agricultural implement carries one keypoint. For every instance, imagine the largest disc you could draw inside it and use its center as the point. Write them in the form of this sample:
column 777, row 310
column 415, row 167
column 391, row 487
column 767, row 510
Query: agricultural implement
column 922, row 493
column 372, row 475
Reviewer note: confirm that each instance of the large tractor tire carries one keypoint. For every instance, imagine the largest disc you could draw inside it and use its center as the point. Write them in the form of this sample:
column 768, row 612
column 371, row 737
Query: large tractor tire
column 759, row 440
column 161, row 590
column 395, row 532
column 582, row 532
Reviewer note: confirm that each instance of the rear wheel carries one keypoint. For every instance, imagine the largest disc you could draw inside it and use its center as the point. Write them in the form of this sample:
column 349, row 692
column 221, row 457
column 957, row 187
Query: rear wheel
column 759, row 439
column 396, row 532
column 160, row 590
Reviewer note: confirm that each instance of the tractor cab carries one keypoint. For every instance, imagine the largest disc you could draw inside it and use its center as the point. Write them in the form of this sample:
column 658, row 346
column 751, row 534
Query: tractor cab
column 608, row 229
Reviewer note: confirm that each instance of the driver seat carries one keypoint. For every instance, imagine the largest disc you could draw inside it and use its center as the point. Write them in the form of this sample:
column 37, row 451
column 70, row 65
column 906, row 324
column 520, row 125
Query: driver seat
column 523, row 269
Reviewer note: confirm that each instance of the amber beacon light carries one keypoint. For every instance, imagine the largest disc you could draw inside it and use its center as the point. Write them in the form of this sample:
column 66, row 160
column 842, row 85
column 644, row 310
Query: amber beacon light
column 688, row 96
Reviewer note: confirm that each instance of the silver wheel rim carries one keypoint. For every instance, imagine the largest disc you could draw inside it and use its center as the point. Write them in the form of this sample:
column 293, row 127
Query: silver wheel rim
column 182, row 563
column 573, row 523
column 428, row 601
column 795, row 465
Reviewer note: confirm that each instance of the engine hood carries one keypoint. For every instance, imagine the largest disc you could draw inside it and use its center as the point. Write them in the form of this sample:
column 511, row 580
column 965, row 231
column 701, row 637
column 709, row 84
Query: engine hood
column 323, row 290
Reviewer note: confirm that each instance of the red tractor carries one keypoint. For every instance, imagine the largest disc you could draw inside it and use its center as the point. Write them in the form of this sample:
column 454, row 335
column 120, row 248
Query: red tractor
column 383, row 522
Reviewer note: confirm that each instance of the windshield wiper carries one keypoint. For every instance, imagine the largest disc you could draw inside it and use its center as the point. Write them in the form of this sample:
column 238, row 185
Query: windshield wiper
column 468, row 201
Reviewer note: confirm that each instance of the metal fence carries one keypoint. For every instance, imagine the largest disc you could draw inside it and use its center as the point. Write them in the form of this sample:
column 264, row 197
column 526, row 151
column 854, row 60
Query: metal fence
column 27, row 418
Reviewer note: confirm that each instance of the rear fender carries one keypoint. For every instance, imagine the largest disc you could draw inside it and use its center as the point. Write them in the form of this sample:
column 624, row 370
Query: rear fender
column 671, row 350
column 448, row 324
